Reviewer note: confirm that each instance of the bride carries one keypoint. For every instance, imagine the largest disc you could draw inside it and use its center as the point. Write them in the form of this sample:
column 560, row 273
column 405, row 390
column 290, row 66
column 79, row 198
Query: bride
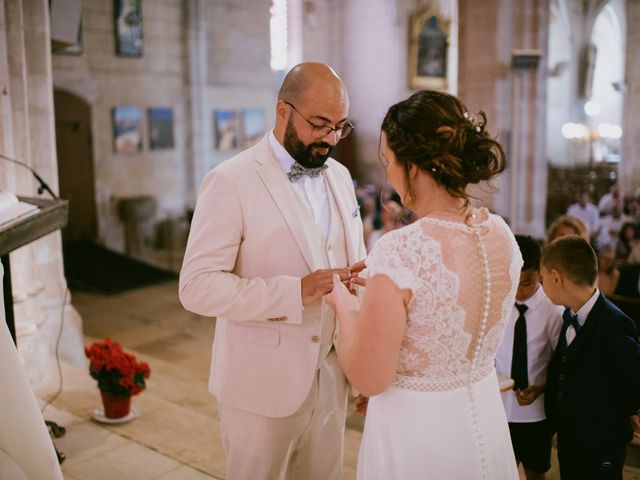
column 423, row 340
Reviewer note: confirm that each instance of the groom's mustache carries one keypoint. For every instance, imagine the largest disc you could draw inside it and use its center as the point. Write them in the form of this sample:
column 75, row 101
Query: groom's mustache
column 321, row 145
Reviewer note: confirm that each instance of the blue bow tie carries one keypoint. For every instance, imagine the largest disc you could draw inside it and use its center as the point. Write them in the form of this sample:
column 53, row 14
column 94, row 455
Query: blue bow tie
column 298, row 171
column 569, row 319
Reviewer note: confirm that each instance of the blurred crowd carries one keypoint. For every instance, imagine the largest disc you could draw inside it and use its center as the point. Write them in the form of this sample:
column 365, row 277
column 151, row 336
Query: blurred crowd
column 611, row 224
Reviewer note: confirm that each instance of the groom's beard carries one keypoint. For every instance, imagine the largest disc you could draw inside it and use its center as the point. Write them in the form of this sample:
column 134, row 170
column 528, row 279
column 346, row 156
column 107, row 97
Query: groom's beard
column 304, row 154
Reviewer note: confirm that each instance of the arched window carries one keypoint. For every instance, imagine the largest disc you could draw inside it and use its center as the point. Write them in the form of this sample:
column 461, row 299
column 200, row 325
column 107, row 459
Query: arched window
column 278, row 27
column 608, row 76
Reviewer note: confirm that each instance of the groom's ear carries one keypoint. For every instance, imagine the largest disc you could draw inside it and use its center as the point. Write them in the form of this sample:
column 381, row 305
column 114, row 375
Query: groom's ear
column 282, row 110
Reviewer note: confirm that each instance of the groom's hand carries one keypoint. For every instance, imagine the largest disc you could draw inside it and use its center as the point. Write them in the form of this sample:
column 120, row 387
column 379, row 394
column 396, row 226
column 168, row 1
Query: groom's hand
column 355, row 270
column 317, row 284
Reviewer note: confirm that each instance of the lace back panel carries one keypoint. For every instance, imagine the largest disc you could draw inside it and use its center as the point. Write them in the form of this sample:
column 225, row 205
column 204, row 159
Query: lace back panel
column 463, row 279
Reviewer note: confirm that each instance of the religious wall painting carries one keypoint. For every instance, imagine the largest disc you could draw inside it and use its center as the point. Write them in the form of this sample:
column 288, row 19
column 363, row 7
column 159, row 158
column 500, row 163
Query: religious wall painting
column 253, row 126
column 226, row 129
column 127, row 129
column 160, row 121
column 428, row 51
column 127, row 16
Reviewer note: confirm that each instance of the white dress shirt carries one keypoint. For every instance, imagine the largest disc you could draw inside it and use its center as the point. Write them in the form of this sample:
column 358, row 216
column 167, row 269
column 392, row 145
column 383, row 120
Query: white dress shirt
column 544, row 321
column 311, row 191
column 589, row 215
column 583, row 313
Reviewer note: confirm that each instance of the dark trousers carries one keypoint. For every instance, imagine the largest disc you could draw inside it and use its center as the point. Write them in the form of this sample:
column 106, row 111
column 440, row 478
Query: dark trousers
column 578, row 463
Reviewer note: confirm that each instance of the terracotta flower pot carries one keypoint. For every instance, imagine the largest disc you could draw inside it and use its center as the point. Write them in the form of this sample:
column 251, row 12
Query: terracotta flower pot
column 115, row 406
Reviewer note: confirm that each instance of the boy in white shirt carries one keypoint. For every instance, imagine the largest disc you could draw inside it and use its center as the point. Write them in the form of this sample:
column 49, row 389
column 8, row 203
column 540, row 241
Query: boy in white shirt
column 527, row 347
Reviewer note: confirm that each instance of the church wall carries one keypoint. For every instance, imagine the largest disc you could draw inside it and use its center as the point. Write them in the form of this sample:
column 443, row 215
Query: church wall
column 231, row 39
column 105, row 81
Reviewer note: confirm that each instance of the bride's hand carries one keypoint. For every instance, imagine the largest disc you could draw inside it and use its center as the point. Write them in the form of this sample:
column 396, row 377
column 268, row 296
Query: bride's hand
column 340, row 297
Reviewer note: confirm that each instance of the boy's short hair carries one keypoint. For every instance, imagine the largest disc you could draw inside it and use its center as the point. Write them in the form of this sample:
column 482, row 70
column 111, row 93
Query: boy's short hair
column 531, row 252
column 572, row 256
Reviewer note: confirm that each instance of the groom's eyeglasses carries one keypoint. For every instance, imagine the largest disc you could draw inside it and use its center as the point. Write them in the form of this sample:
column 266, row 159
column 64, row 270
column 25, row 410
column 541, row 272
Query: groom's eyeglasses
column 321, row 131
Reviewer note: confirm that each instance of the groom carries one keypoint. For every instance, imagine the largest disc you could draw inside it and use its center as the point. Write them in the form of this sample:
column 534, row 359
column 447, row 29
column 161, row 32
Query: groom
column 270, row 228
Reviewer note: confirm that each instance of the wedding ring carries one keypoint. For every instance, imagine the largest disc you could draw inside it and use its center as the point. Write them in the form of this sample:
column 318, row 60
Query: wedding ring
column 349, row 273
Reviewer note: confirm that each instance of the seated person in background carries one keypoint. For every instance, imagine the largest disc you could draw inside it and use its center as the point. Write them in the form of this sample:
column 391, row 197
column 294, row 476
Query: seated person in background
column 628, row 238
column 608, row 273
column 567, row 225
column 610, row 225
column 391, row 213
column 587, row 212
column 609, row 200
column 529, row 340
column 593, row 383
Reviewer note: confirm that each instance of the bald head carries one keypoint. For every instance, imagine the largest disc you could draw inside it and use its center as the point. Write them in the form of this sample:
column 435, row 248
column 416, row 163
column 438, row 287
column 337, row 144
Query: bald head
column 311, row 79
column 311, row 113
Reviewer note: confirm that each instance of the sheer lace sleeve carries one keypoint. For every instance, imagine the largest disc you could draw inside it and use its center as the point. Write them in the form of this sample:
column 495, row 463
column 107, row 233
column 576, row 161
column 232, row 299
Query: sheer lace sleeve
column 389, row 257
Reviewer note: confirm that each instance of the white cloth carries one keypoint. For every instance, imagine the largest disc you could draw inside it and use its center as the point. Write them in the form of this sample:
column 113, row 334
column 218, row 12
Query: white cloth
column 589, row 215
column 583, row 313
column 544, row 321
column 26, row 450
column 311, row 190
column 463, row 279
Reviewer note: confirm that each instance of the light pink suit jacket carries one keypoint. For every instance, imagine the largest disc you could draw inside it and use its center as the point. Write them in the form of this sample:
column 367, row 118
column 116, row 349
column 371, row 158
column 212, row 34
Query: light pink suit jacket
column 251, row 242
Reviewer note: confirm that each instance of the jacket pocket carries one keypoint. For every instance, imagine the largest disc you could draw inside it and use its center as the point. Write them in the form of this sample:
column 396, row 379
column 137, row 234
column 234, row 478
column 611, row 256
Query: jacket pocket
column 253, row 334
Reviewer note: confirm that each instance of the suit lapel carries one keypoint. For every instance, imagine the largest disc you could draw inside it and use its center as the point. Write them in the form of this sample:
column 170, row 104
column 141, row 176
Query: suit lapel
column 342, row 196
column 295, row 215
column 587, row 329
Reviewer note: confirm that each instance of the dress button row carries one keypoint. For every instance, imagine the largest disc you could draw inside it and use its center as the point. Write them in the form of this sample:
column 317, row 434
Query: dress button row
column 315, row 339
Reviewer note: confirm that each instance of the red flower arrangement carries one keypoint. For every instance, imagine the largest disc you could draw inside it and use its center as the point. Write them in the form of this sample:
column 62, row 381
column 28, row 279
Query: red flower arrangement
column 116, row 371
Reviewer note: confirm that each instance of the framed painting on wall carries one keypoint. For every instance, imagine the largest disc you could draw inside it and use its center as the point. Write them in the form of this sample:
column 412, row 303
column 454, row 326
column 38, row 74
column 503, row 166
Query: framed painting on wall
column 428, row 50
column 160, row 128
column 127, row 126
column 225, row 129
column 127, row 16
column 253, row 126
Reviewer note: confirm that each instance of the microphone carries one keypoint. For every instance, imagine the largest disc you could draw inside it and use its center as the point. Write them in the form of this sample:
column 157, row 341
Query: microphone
column 42, row 184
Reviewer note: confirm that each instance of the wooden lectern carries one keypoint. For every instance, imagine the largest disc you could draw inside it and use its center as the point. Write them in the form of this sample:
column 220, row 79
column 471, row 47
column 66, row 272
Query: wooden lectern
column 50, row 216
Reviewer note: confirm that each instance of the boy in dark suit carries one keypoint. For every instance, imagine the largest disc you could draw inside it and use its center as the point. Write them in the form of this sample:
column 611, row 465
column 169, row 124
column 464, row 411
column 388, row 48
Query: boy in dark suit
column 593, row 381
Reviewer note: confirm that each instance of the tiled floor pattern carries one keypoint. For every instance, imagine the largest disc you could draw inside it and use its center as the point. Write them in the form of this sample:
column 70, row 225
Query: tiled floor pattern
column 176, row 434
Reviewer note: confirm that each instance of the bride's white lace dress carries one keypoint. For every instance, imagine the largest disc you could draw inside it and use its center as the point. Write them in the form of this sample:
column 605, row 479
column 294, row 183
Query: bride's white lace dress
column 443, row 417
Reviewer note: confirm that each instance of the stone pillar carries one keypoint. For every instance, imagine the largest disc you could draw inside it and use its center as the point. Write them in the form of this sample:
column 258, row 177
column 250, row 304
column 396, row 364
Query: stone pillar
column 629, row 169
column 198, row 135
column 39, row 288
column 513, row 99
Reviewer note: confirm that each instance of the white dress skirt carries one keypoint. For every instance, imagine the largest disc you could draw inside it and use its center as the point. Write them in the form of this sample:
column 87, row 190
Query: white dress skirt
column 456, row 434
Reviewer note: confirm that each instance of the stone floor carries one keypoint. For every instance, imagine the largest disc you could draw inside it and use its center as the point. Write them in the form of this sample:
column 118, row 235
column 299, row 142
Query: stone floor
column 176, row 433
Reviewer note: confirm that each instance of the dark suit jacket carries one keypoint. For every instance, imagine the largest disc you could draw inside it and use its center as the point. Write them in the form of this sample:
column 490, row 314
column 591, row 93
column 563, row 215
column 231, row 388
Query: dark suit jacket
column 628, row 282
column 593, row 385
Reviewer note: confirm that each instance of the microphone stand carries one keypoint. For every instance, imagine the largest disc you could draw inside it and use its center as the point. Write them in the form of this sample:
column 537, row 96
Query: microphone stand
column 42, row 185
column 56, row 430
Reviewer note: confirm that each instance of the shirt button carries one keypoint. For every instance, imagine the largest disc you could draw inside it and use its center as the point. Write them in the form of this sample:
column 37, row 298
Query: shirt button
column 561, row 377
column 564, row 358
column 559, row 394
column 315, row 339
column 329, row 247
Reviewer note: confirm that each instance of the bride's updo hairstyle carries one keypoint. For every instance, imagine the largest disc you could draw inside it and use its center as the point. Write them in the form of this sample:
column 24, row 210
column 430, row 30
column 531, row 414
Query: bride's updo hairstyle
column 434, row 131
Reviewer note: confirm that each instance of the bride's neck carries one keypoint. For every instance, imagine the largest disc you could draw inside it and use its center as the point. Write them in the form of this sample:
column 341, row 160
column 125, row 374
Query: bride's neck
column 440, row 205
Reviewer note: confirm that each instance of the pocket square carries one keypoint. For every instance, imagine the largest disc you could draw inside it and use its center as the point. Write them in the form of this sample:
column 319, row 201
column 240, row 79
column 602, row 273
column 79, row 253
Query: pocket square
column 356, row 212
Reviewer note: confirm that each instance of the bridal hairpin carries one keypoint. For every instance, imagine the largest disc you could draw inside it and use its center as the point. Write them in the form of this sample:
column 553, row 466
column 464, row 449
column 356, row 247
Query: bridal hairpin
column 473, row 120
